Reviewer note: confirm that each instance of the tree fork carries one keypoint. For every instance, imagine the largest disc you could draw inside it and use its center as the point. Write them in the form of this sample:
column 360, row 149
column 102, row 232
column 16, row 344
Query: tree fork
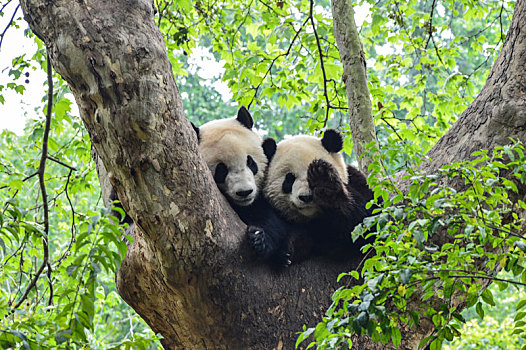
column 189, row 272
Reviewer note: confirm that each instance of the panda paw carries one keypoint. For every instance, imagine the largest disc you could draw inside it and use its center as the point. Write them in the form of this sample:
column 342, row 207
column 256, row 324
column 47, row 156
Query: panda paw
column 258, row 241
column 324, row 182
column 264, row 249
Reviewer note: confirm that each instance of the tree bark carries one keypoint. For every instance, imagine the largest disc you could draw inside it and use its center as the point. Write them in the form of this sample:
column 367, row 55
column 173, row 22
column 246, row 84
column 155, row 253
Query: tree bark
column 355, row 78
column 189, row 271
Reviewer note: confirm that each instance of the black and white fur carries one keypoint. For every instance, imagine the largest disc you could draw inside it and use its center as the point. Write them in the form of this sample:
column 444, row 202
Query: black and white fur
column 234, row 153
column 311, row 187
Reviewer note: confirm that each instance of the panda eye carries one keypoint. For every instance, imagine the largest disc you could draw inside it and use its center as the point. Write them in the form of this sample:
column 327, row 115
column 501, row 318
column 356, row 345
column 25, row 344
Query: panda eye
column 251, row 164
column 288, row 182
column 220, row 173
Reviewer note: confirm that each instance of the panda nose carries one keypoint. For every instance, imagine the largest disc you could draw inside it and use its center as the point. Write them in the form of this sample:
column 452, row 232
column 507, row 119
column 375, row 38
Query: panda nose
column 244, row 193
column 306, row 199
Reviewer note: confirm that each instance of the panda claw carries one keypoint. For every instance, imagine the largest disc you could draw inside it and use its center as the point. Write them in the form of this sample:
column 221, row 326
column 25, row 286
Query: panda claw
column 284, row 261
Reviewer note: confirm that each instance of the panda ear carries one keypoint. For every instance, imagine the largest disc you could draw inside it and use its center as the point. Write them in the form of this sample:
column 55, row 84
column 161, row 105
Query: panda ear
column 196, row 129
column 332, row 141
column 244, row 117
column 269, row 147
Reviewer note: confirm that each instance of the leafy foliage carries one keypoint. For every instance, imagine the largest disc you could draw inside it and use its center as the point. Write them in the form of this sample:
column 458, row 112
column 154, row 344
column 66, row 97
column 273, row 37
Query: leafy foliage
column 271, row 54
column 426, row 60
column 74, row 298
column 496, row 329
column 203, row 103
column 424, row 70
column 488, row 335
column 409, row 265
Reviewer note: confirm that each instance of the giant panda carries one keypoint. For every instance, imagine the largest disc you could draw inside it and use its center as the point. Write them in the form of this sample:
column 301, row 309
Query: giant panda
column 234, row 153
column 310, row 185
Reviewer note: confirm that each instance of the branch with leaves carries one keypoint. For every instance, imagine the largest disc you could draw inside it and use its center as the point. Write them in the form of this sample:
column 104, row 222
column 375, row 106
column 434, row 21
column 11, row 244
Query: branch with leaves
column 41, row 179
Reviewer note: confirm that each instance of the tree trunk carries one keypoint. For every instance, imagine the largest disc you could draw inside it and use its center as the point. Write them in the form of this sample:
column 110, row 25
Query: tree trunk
column 189, row 271
column 355, row 78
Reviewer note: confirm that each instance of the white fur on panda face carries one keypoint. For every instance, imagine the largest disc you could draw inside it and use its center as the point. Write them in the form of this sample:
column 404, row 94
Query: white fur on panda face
column 286, row 187
column 235, row 156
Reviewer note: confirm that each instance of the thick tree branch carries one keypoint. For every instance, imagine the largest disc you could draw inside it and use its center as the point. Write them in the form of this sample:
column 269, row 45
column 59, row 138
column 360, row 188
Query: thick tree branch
column 355, row 79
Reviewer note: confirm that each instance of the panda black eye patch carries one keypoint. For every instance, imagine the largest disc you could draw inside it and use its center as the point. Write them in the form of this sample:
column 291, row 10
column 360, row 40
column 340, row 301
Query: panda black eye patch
column 220, row 173
column 251, row 164
column 288, row 182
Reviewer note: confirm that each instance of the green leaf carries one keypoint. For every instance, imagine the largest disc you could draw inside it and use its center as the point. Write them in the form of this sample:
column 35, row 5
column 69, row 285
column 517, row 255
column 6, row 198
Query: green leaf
column 487, row 296
column 185, row 4
column 71, row 269
column 521, row 245
column 22, row 337
column 479, row 310
column 16, row 184
column 435, row 345
column 519, row 316
column 63, row 336
column 459, row 317
column 396, row 336
column 304, row 335
column 520, row 304
column 362, row 319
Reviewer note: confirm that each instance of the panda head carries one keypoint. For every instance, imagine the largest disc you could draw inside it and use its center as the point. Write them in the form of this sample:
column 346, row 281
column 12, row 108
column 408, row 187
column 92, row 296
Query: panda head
column 286, row 186
column 234, row 155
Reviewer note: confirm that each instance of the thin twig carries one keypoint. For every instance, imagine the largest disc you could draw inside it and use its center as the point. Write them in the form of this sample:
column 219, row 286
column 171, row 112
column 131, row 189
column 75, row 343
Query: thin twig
column 436, row 51
column 322, row 65
column 66, row 252
column 24, row 179
column 5, row 5
column 61, row 163
column 392, row 128
column 41, row 173
column 430, row 30
column 500, row 20
column 275, row 59
column 15, row 253
column 45, row 241
column 270, row 8
column 166, row 4
column 240, row 25
column 8, row 25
